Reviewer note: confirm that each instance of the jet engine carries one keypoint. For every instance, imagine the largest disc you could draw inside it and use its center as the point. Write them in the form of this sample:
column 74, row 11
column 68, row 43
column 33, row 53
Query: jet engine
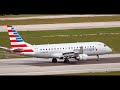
column 82, row 57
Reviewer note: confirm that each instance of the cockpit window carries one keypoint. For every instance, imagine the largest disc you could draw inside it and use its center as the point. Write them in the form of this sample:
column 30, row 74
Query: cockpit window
column 105, row 45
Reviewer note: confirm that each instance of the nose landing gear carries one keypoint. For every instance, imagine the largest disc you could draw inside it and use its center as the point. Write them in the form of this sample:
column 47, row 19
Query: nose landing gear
column 98, row 58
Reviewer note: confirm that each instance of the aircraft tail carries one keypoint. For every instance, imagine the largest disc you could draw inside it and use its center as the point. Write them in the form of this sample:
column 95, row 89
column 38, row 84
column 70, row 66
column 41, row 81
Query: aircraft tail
column 17, row 42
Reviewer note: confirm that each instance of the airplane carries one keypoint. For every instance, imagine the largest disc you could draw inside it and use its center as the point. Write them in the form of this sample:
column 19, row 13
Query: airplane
column 78, row 51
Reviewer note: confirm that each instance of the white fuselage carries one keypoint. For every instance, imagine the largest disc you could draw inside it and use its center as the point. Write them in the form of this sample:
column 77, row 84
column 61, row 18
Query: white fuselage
column 57, row 50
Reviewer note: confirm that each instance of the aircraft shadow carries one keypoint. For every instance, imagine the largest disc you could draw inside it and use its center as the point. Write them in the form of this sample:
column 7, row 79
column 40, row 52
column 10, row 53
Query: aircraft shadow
column 49, row 63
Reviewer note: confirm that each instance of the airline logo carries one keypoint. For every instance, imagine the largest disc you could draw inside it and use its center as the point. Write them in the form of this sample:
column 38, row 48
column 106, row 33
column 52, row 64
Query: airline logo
column 16, row 41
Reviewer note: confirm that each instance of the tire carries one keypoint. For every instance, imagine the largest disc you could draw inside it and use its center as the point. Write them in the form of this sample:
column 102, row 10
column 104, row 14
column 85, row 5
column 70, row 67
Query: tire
column 66, row 61
column 54, row 60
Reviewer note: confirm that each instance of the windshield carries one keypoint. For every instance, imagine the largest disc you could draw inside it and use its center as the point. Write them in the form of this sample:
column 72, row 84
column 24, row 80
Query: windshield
column 105, row 45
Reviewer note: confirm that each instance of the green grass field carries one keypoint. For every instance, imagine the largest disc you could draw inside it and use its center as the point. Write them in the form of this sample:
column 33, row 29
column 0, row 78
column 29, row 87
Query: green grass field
column 60, row 20
column 4, row 54
column 112, row 73
column 109, row 36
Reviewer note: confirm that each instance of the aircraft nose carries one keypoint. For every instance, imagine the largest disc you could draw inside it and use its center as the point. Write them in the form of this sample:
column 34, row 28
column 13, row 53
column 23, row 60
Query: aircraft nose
column 110, row 50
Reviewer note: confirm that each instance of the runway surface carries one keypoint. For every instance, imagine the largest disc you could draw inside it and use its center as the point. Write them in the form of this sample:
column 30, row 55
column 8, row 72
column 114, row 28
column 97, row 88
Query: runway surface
column 63, row 26
column 55, row 16
column 38, row 66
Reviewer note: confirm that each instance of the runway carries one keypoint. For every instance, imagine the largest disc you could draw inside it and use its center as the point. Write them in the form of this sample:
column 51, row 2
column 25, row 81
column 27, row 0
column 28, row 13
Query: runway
column 38, row 66
column 62, row 26
column 56, row 16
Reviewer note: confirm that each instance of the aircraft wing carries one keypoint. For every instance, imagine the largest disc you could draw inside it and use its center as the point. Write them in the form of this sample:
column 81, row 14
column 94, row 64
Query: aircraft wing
column 75, row 53
column 11, row 50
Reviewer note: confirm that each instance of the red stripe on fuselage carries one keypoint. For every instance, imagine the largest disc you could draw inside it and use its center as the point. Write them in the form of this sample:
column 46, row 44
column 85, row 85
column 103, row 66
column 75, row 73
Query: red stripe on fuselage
column 21, row 45
column 29, row 50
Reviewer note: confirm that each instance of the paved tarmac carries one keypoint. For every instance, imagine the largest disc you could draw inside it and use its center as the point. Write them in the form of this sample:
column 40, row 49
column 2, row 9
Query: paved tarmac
column 56, row 16
column 39, row 66
column 62, row 26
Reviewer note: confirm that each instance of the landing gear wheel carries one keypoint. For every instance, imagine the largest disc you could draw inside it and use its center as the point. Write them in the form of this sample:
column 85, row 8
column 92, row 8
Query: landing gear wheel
column 54, row 60
column 98, row 59
column 66, row 61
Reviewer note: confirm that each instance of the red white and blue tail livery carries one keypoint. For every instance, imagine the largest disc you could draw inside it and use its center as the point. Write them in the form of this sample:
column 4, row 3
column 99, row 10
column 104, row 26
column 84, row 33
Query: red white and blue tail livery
column 78, row 51
column 17, row 43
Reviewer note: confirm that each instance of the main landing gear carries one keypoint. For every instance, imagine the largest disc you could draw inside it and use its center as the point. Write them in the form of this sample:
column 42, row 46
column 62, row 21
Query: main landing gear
column 54, row 60
column 98, row 59
column 66, row 60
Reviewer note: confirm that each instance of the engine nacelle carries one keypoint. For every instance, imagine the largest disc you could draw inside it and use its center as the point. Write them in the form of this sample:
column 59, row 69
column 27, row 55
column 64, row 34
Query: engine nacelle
column 82, row 57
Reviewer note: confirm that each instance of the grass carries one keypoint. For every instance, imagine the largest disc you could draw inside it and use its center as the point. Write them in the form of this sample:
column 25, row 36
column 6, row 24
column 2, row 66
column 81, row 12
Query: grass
column 112, row 73
column 4, row 54
column 61, row 20
column 36, row 37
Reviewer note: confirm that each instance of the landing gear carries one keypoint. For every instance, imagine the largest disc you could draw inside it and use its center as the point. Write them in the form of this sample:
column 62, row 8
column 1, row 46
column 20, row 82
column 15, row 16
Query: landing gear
column 98, row 59
column 66, row 60
column 54, row 60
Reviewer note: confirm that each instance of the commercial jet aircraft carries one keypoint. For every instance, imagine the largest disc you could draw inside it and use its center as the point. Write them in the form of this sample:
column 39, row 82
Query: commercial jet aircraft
column 78, row 51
